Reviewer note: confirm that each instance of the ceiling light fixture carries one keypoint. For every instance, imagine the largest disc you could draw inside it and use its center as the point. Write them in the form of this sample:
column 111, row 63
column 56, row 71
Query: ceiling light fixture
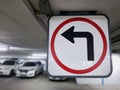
column 4, row 48
column 39, row 54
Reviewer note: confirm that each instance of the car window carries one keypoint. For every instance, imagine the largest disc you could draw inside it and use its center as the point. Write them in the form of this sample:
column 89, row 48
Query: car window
column 30, row 64
column 13, row 59
column 8, row 63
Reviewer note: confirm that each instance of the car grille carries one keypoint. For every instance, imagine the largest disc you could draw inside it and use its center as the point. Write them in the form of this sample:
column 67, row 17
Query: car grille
column 23, row 75
column 24, row 71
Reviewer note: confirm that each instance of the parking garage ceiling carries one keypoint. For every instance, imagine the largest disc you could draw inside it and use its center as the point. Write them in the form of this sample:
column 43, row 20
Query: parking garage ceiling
column 23, row 23
column 110, row 8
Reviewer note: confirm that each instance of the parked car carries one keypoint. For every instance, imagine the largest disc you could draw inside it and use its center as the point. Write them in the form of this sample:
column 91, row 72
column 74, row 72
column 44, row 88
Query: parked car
column 57, row 78
column 19, row 63
column 8, row 67
column 29, row 69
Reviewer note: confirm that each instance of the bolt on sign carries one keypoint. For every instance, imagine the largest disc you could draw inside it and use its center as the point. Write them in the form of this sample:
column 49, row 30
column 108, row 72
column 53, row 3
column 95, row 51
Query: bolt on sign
column 79, row 46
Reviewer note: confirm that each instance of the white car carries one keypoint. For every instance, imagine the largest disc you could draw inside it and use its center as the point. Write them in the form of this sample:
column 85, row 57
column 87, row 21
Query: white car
column 8, row 67
column 29, row 69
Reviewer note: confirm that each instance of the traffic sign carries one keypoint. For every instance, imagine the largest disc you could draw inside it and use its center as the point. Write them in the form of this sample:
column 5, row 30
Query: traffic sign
column 79, row 46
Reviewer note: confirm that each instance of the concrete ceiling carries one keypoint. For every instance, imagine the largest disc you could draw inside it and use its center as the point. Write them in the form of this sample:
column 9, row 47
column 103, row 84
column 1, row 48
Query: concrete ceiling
column 23, row 24
column 110, row 8
column 19, row 27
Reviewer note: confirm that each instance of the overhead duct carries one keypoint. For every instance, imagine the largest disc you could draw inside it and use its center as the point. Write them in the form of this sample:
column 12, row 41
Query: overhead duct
column 115, row 32
column 115, row 37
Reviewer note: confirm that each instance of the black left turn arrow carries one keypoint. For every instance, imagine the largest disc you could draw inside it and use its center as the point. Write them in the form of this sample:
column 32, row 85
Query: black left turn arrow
column 69, row 34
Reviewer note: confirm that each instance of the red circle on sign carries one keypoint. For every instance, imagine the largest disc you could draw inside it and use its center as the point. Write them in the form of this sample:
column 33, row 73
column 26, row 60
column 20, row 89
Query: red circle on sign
column 100, row 60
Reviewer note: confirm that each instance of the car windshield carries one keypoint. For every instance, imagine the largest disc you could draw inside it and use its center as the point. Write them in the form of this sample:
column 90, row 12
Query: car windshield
column 8, row 63
column 29, row 64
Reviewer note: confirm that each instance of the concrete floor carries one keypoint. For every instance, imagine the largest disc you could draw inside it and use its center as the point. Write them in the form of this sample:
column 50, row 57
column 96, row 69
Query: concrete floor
column 42, row 82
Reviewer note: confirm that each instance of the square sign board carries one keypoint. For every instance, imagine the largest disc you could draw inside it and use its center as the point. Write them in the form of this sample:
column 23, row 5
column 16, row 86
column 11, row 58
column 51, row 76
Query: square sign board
column 79, row 46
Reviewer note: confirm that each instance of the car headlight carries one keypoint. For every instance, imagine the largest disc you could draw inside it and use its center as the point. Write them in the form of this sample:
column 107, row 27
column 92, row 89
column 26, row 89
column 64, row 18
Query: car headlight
column 32, row 69
column 6, row 68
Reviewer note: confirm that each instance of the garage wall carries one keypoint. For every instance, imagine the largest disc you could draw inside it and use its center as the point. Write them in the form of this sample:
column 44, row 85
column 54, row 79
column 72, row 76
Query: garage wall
column 113, row 79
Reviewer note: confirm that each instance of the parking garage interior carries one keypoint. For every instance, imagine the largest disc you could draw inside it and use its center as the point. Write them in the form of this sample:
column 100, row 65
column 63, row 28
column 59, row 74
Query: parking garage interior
column 24, row 37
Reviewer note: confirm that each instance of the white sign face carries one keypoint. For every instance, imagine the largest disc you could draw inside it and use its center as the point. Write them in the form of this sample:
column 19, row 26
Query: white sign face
column 79, row 46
